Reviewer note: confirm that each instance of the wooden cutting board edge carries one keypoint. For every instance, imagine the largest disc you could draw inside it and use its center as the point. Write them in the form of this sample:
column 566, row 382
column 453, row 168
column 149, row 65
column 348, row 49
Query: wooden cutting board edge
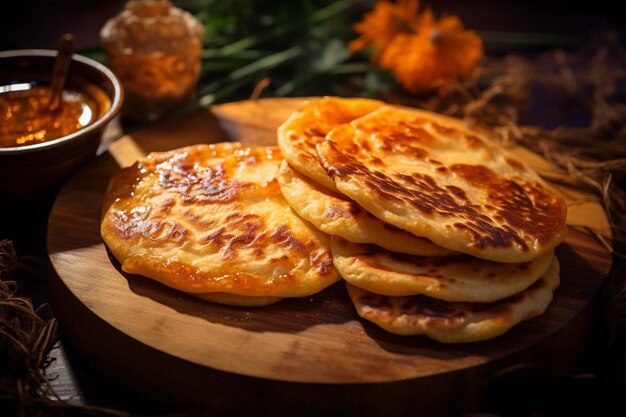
column 552, row 347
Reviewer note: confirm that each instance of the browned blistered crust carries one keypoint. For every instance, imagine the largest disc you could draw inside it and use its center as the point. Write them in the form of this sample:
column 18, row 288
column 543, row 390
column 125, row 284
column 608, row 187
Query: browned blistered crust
column 211, row 218
column 513, row 210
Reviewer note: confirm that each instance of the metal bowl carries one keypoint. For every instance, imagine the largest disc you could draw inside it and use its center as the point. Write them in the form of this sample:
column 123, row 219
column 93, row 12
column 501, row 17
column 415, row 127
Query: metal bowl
column 27, row 170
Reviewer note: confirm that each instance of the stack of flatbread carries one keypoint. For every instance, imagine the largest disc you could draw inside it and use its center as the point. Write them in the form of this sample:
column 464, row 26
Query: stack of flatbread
column 435, row 229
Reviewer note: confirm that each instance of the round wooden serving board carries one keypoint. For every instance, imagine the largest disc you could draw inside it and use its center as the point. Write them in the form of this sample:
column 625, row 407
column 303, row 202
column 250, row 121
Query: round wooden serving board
column 307, row 356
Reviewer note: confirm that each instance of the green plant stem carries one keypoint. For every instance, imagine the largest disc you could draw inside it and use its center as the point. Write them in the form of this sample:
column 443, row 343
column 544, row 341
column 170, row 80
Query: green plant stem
column 238, row 78
column 220, row 66
column 250, row 54
column 317, row 17
column 331, row 10
column 352, row 68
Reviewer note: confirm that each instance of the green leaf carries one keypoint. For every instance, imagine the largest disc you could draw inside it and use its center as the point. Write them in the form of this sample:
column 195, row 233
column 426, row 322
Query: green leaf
column 246, row 73
column 333, row 53
column 379, row 81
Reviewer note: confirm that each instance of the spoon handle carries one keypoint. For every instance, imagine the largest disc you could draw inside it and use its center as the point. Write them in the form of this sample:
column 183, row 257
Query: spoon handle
column 65, row 47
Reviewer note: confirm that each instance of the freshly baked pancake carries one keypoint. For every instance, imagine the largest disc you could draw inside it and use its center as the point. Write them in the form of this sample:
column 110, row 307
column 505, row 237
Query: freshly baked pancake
column 210, row 219
column 335, row 214
column 449, row 278
column 455, row 322
column 299, row 134
column 432, row 176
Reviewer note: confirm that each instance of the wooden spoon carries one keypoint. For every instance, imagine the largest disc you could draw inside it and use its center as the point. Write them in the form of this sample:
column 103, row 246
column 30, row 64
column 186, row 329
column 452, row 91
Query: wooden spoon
column 65, row 47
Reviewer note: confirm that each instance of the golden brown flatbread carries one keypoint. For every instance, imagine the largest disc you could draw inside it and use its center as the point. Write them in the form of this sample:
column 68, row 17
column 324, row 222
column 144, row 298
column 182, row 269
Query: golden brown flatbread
column 455, row 322
column 432, row 176
column 209, row 220
column 299, row 134
column 449, row 278
column 335, row 214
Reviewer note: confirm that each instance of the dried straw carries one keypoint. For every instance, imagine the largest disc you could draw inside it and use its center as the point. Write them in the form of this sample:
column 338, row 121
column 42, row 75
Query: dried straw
column 25, row 341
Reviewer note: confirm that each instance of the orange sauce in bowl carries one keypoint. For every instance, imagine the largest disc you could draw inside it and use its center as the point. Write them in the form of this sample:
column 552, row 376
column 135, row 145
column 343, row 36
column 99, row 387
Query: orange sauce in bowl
column 25, row 118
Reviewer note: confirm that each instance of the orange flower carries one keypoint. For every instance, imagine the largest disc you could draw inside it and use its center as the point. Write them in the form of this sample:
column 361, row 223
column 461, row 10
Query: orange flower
column 431, row 51
column 381, row 25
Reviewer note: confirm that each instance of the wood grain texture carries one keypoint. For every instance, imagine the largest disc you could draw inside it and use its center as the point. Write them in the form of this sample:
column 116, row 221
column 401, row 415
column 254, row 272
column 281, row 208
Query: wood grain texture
column 307, row 355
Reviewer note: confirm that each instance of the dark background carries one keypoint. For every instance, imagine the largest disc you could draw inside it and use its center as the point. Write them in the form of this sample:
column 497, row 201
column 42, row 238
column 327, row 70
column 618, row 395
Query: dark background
column 38, row 23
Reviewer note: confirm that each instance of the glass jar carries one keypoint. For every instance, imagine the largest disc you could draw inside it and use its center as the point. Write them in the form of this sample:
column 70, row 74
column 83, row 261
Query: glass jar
column 155, row 49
